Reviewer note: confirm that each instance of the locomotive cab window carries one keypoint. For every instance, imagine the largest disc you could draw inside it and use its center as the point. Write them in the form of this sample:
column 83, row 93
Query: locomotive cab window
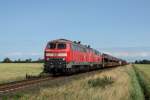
column 51, row 46
column 61, row 46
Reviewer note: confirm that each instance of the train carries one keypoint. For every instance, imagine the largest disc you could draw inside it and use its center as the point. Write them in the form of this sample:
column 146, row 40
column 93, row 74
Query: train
column 64, row 56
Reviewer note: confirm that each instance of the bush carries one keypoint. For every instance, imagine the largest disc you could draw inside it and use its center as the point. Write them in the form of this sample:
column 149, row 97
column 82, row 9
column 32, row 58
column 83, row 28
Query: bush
column 101, row 82
column 7, row 60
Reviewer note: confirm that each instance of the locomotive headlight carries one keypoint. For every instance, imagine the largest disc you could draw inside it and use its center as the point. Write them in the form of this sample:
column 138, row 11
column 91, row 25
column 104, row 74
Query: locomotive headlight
column 63, row 59
column 62, row 54
column 49, row 54
column 56, row 54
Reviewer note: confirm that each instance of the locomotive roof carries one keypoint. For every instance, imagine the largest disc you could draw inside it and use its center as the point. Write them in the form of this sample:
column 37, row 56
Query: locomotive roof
column 75, row 42
column 65, row 40
column 61, row 40
column 84, row 46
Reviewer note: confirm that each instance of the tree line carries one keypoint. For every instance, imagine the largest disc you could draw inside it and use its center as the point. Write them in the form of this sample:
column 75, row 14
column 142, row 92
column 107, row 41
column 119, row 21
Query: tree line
column 8, row 60
column 142, row 61
column 29, row 60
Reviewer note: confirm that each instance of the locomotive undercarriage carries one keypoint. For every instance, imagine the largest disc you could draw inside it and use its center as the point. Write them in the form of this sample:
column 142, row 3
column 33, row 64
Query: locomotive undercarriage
column 55, row 66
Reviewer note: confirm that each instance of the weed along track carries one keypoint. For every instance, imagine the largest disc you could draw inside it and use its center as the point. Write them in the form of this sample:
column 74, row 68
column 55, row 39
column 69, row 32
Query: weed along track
column 5, row 88
column 142, row 72
column 95, row 85
column 20, row 85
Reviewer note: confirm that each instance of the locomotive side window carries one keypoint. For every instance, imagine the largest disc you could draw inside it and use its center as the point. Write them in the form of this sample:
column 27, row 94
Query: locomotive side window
column 74, row 47
column 78, row 48
column 61, row 46
column 51, row 46
column 83, row 49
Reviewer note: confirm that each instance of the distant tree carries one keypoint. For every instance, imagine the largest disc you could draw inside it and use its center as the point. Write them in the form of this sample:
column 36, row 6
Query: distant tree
column 17, row 61
column 28, row 60
column 7, row 60
column 39, row 61
column 145, row 61
column 136, row 62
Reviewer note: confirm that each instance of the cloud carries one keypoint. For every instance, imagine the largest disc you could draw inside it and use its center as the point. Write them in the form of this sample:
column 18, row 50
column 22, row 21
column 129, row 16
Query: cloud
column 22, row 54
column 125, row 53
column 14, row 54
column 130, row 53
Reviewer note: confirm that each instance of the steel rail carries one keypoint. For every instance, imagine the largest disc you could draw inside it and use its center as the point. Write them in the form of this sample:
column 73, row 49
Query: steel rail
column 22, row 84
column 9, row 87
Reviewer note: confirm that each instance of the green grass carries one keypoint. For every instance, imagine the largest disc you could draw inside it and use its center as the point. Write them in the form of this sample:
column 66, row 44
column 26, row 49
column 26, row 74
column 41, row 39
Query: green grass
column 136, row 92
column 100, row 82
column 120, row 84
column 17, row 71
column 143, row 73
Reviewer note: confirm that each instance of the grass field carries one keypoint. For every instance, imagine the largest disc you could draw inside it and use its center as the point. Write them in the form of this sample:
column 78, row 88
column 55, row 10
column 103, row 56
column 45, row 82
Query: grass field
column 113, row 84
column 143, row 73
column 11, row 72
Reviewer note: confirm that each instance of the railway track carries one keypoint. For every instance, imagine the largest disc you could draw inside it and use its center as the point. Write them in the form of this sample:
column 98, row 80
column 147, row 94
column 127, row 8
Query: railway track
column 14, row 86
column 5, row 88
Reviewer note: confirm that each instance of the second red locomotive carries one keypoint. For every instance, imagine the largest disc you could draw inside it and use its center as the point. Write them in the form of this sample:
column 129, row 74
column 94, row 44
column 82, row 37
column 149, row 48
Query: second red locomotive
column 65, row 56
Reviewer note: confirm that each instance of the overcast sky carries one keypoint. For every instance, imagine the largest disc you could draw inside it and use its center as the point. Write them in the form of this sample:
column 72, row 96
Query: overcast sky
column 119, row 27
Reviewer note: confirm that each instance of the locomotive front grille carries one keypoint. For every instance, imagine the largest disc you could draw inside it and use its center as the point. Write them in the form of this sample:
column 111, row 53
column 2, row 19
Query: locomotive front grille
column 55, row 61
column 54, row 65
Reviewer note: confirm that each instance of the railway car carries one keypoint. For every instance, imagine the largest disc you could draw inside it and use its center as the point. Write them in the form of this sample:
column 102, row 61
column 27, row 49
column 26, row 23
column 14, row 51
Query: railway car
column 110, row 61
column 123, row 62
column 65, row 56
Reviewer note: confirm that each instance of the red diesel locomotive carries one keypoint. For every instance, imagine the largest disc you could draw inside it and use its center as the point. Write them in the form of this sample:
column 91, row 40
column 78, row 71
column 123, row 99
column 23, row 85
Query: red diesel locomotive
column 65, row 56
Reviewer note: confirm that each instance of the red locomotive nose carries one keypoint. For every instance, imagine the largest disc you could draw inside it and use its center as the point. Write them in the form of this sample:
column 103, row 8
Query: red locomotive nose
column 56, row 50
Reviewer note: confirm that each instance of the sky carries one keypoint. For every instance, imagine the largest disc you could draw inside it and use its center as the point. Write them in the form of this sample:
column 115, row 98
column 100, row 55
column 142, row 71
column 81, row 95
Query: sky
column 117, row 27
